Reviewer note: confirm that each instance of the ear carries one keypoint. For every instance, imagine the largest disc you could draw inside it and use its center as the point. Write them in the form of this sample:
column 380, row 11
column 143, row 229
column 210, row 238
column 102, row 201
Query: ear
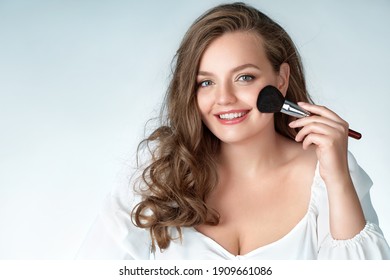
column 283, row 78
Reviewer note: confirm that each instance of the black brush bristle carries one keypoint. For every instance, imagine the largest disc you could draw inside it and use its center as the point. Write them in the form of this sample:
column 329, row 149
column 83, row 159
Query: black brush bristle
column 270, row 100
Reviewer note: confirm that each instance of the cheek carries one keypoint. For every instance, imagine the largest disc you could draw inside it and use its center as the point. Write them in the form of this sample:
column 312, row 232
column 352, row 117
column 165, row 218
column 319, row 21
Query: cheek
column 249, row 96
column 204, row 104
column 204, row 107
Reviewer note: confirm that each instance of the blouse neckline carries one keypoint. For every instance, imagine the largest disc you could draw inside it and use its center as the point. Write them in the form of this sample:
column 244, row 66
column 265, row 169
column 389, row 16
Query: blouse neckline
column 301, row 222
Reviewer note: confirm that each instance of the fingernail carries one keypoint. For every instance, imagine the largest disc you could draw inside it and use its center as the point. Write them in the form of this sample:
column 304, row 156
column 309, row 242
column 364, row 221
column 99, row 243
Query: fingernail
column 291, row 124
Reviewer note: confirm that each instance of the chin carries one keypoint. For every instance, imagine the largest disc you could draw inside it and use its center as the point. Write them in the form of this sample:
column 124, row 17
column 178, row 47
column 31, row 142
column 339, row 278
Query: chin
column 234, row 138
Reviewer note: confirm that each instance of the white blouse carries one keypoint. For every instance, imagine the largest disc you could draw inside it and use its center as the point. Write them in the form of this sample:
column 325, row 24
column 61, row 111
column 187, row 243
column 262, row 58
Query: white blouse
column 114, row 236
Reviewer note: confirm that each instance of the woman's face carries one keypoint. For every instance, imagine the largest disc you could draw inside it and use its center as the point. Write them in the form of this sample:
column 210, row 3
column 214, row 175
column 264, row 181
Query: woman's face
column 232, row 71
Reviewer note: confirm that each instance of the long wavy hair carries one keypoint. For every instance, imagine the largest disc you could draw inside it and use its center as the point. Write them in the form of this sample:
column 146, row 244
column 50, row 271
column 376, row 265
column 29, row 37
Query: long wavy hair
column 181, row 171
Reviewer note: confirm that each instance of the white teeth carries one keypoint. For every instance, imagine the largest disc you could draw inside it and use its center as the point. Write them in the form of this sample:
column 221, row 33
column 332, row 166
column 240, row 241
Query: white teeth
column 231, row 116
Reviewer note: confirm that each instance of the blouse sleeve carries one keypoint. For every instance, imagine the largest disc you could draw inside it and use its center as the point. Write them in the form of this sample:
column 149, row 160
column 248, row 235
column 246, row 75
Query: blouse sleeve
column 370, row 242
column 113, row 236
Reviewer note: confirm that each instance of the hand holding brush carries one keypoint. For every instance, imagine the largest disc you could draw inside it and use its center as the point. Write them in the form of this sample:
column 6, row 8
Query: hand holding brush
column 271, row 100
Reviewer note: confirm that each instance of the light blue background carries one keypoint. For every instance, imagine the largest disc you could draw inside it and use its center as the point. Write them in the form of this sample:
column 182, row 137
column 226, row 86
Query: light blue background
column 79, row 79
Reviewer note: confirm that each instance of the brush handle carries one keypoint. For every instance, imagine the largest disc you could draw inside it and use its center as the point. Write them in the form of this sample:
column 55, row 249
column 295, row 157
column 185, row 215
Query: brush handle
column 295, row 110
column 354, row 134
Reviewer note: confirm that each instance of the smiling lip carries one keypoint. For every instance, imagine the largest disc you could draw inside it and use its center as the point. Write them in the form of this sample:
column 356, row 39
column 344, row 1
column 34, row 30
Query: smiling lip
column 232, row 116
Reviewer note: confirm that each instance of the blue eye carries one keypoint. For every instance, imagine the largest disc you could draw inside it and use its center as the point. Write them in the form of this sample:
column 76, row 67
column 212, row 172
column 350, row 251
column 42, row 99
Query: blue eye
column 205, row 83
column 246, row 78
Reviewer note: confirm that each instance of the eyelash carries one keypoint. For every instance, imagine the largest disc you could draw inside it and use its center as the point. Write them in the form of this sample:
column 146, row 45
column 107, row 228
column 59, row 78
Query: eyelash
column 246, row 75
column 251, row 78
column 200, row 84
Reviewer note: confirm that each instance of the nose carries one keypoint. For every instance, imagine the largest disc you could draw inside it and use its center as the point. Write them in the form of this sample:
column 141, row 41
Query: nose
column 225, row 95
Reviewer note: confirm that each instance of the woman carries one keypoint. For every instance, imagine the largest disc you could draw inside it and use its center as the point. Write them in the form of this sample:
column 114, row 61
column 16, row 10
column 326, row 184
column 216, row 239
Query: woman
column 225, row 181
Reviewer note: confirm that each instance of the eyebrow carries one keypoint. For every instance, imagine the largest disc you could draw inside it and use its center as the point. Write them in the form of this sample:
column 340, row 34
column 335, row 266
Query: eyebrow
column 235, row 69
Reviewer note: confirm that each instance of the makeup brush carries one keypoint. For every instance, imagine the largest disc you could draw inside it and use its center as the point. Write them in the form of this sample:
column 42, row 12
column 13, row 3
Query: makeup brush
column 271, row 100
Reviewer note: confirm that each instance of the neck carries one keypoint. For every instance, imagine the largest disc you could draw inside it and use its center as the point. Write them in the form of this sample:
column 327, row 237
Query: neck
column 253, row 156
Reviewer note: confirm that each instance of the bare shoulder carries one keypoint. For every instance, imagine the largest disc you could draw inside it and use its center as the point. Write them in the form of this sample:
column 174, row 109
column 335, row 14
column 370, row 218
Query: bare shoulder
column 301, row 163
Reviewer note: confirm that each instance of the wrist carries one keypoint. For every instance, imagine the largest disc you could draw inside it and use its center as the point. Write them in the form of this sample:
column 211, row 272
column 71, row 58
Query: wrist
column 339, row 183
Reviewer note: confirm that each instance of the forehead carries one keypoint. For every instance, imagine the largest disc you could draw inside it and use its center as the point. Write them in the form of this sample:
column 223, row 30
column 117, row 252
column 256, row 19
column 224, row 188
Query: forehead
column 232, row 49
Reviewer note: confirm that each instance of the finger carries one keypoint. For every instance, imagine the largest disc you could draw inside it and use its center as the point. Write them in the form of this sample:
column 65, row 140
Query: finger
column 314, row 119
column 317, row 128
column 341, row 125
column 338, row 134
column 316, row 139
